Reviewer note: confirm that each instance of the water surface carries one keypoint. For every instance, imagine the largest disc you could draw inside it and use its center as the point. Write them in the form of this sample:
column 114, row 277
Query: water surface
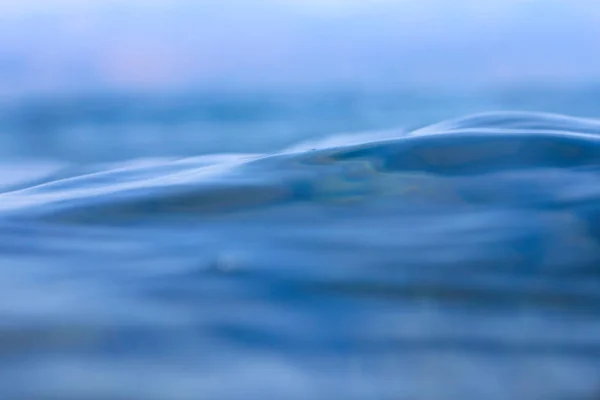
column 456, row 261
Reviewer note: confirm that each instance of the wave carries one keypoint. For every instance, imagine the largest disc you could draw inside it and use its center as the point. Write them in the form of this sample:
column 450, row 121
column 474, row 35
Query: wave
column 445, row 163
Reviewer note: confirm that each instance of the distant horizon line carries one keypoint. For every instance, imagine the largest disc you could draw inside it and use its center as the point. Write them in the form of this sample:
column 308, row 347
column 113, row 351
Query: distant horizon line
column 439, row 88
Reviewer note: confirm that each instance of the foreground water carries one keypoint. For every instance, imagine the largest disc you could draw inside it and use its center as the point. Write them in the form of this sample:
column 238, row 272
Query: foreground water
column 457, row 261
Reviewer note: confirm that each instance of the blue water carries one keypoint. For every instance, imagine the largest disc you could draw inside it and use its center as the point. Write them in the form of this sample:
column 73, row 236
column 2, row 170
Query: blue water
column 460, row 260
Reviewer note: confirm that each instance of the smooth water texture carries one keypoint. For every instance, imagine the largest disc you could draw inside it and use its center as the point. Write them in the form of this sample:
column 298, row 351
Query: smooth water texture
column 457, row 261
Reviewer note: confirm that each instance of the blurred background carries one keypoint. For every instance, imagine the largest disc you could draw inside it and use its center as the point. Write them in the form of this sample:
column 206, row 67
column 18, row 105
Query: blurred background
column 105, row 80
